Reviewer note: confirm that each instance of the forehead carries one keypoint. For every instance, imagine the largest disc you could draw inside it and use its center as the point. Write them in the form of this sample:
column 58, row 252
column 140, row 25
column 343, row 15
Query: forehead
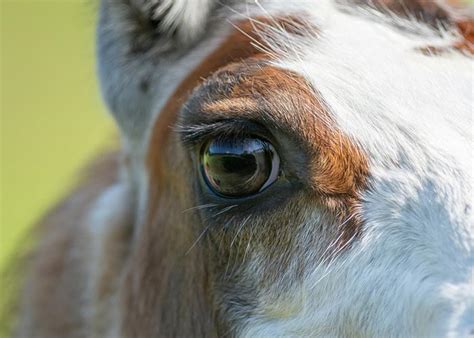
column 381, row 90
column 364, row 76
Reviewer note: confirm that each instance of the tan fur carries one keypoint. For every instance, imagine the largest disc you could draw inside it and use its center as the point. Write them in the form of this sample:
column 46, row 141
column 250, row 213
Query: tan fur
column 466, row 28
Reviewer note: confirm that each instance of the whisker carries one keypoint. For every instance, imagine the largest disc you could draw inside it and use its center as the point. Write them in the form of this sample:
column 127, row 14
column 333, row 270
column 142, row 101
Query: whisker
column 248, row 243
column 328, row 258
column 231, row 244
column 202, row 206
column 327, row 269
column 225, row 210
column 198, row 239
column 240, row 229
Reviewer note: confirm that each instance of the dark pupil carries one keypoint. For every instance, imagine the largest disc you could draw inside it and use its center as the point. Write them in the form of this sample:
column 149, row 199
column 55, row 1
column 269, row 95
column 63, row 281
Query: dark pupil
column 237, row 167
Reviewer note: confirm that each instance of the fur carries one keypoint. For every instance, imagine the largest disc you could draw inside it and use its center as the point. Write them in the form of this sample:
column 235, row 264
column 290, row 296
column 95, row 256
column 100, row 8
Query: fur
column 368, row 231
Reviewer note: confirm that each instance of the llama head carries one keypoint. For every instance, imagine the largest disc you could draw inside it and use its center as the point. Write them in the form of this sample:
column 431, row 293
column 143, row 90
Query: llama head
column 300, row 168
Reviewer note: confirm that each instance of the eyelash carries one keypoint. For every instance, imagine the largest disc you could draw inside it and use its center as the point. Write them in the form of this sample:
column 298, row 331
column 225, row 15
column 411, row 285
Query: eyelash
column 197, row 134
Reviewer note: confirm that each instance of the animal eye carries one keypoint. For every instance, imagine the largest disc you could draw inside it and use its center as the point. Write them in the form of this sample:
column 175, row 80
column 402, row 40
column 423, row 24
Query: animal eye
column 239, row 167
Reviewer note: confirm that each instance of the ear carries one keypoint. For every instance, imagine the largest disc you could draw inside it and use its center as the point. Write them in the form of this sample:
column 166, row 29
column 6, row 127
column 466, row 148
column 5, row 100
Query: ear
column 141, row 47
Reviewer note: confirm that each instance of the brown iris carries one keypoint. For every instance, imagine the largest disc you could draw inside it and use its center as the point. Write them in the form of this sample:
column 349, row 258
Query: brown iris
column 238, row 167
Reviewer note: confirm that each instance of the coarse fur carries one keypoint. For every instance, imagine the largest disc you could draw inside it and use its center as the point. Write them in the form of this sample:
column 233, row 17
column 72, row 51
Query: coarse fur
column 368, row 231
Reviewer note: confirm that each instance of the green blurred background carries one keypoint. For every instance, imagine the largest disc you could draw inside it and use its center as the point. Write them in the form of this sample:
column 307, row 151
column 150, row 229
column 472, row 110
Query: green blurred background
column 52, row 118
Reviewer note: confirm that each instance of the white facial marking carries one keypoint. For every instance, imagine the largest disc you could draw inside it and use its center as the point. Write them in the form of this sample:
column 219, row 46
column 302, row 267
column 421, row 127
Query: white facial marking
column 412, row 115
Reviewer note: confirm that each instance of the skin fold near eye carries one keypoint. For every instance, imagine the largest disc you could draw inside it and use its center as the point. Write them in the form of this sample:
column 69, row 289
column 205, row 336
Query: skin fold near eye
column 238, row 167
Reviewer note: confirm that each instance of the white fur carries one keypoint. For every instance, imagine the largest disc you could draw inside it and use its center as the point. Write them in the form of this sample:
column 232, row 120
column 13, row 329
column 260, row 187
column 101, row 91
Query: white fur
column 109, row 217
column 188, row 17
column 412, row 114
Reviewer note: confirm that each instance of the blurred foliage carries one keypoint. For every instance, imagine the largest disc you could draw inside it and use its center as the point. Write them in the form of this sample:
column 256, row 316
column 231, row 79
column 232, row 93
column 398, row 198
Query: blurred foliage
column 52, row 118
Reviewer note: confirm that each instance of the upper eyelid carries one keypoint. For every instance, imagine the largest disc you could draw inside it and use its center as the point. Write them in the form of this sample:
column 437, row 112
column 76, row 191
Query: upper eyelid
column 196, row 133
column 191, row 133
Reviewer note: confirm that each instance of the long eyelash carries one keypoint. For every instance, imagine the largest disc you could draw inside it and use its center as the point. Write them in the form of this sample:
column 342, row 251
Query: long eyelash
column 193, row 134
column 190, row 133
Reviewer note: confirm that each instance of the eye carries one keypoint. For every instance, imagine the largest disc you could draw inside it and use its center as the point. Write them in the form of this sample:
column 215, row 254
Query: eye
column 239, row 167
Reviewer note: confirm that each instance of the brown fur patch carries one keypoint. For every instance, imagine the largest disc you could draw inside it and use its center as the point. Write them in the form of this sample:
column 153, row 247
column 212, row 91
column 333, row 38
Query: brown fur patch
column 466, row 28
column 338, row 168
column 428, row 11
column 167, row 292
column 464, row 45
column 434, row 14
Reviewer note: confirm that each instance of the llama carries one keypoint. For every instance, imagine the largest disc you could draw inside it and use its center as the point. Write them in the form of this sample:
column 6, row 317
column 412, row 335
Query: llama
column 288, row 168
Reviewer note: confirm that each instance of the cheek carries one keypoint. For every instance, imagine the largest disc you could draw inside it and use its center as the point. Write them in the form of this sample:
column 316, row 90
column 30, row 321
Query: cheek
column 296, row 288
column 277, row 250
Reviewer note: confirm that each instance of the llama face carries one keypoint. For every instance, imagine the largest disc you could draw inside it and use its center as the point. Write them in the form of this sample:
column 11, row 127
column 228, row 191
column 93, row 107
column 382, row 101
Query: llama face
column 302, row 170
